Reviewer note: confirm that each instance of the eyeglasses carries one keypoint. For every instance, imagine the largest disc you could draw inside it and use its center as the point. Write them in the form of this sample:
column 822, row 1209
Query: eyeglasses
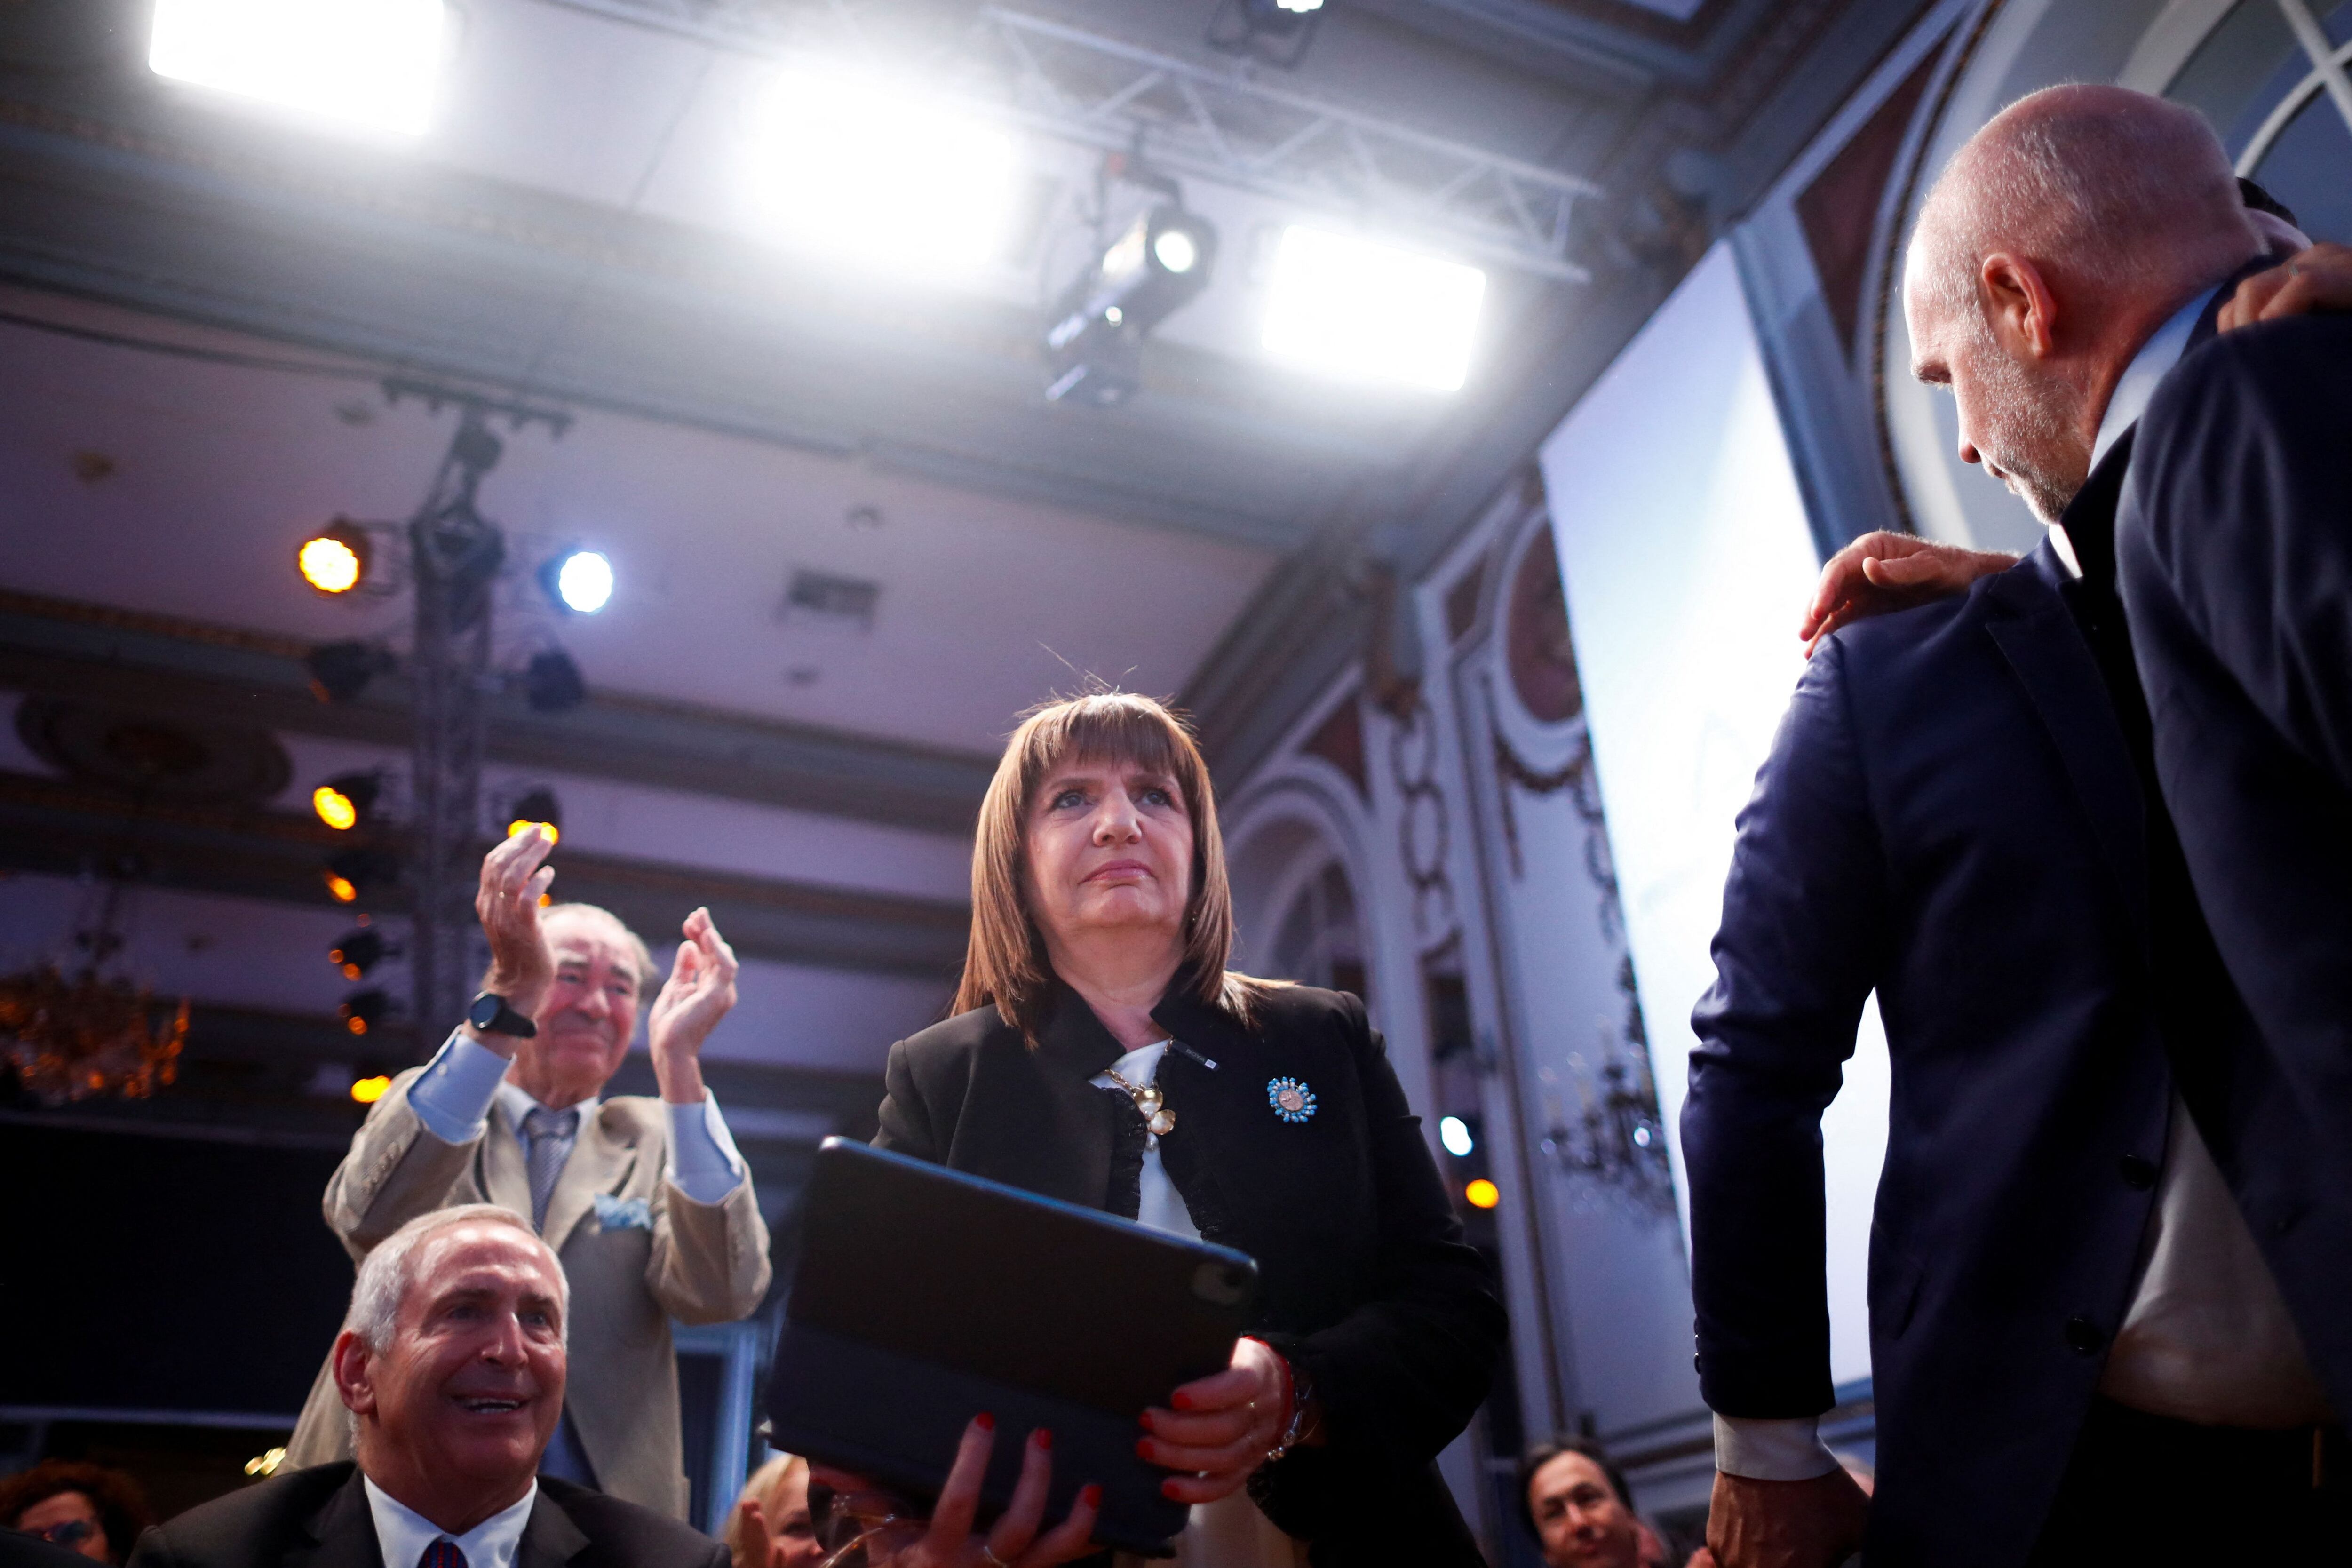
column 66, row 1533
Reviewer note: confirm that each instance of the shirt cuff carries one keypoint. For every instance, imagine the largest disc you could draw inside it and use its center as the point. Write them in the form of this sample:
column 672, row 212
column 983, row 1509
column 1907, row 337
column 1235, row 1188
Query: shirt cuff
column 1764, row 1450
column 452, row 1096
column 703, row 1163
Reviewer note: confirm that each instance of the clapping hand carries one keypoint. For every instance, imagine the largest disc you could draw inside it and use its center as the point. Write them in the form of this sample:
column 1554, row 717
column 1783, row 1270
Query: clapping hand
column 514, row 876
column 699, row 991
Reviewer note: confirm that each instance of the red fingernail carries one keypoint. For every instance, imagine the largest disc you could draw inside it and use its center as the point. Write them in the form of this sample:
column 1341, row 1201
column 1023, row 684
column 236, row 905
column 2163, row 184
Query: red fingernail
column 1043, row 1437
column 1167, row 1489
column 984, row 1421
column 1146, row 1419
column 1182, row 1400
column 1143, row 1448
column 1090, row 1495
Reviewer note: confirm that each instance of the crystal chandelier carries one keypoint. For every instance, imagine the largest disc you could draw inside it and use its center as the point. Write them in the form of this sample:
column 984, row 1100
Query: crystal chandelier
column 70, row 1038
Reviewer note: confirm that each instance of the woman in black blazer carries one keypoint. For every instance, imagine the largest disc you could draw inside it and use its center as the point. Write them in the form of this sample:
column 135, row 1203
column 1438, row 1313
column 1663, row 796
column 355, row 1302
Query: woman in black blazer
column 1103, row 1054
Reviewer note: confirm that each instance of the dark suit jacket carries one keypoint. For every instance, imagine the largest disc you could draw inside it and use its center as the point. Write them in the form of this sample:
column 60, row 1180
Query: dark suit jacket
column 318, row 1518
column 2234, row 542
column 1366, row 1281
column 1950, row 816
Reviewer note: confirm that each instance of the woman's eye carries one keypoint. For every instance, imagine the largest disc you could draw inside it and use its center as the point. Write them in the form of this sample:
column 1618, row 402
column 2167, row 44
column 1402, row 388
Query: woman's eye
column 1069, row 797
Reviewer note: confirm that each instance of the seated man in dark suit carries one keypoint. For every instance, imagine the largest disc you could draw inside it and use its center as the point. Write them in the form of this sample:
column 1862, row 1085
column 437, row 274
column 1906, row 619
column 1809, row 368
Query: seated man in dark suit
column 2081, row 1352
column 451, row 1363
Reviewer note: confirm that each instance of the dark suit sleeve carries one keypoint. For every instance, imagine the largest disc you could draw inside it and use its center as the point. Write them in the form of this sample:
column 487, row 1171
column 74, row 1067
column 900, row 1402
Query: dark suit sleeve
column 2239, row 520
column 1795, row 960
column 906, row 1120
column 153, row 1550
column 1401, row 1375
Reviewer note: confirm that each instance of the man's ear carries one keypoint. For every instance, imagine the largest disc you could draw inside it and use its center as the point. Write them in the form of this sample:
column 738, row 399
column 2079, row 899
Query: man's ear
column 2020, row 306
column 354, row 1367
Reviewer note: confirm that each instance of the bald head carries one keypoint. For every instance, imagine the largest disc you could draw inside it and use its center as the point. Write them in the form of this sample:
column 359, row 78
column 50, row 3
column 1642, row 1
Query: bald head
column 2119, row 196
column 2057, row 241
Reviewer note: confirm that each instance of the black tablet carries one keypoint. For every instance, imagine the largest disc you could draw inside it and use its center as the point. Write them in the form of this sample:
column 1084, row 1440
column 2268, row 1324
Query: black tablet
column 924, row 1296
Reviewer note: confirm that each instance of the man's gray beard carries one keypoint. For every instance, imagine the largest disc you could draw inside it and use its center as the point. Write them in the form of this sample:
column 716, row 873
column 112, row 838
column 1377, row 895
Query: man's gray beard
column 2032, row 416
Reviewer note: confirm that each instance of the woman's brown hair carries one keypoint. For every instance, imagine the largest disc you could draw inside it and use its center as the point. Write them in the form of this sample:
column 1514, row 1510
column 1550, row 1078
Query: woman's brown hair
column 1006, row 963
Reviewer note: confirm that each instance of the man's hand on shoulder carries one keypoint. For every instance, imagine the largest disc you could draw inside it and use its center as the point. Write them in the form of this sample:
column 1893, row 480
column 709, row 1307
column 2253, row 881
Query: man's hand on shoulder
column 2312, row 283
column 1880, row 573
column 1815, row 1524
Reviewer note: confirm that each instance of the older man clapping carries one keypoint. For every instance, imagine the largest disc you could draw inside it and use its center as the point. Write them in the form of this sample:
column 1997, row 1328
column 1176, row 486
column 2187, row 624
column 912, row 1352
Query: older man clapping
column 646, row 1202
column 451, row 1366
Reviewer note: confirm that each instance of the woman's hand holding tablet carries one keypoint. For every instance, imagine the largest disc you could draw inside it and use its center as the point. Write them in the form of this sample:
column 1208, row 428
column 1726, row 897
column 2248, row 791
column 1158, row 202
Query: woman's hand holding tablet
column 947, row 1539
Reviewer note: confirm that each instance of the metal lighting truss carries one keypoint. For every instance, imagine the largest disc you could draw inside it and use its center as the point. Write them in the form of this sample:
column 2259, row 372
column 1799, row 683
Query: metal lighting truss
column 1227, row 127
column 1224, row 126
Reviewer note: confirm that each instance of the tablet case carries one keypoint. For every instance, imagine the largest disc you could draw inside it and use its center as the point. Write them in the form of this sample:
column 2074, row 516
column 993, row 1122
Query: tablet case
column 924, row 1296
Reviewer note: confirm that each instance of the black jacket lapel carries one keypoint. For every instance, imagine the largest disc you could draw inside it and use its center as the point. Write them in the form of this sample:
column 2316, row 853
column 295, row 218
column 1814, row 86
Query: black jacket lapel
column 2046, row 650
column 344, row 1531
column 549, row 1537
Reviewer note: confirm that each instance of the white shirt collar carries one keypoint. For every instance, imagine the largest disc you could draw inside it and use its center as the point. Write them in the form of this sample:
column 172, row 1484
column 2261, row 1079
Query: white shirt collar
column 517, row 1103
column 403, row 1533
column 2157, row 355
column 1139, row 1067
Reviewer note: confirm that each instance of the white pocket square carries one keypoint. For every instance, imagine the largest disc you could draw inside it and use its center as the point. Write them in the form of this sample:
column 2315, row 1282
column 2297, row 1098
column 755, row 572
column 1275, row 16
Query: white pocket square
column 622, row 1214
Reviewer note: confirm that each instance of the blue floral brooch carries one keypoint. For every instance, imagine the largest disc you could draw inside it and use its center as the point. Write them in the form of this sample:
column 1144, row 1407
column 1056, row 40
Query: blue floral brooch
column 1292, row 1101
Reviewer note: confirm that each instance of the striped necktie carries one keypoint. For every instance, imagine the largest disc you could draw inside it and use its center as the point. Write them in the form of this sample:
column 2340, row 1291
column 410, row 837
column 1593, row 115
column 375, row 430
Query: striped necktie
column 442, row 1554
column 548, row 1135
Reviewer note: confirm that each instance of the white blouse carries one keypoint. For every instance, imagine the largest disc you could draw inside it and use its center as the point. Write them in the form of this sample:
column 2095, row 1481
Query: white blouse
column 1230, row 1532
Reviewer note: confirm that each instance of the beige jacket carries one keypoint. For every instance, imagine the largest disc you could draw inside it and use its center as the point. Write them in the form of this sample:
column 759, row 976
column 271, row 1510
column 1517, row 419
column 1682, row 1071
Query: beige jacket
column 700, row 1263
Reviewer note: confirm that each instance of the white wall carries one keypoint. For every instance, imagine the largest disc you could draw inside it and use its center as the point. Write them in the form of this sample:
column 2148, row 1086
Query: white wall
column 1687, row 559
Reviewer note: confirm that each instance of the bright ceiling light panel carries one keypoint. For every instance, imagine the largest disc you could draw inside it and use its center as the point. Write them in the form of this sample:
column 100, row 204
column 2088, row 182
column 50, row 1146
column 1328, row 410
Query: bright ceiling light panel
column 370, row 64
column 1350, row 308
column 874, row 172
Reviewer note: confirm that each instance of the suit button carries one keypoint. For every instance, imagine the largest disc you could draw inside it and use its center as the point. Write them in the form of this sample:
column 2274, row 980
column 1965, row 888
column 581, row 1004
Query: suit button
column 2138, row 1174
column 2083, row 1336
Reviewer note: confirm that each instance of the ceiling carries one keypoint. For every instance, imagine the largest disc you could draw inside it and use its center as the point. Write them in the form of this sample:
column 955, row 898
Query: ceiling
column 200, row 306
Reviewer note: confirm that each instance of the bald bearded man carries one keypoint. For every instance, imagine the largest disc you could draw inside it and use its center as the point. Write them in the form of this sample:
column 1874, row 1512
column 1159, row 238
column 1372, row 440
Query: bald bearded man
column 2080, row 1353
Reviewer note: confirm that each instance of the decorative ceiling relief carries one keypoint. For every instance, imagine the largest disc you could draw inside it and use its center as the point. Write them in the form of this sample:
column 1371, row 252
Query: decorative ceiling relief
column 1423, row 832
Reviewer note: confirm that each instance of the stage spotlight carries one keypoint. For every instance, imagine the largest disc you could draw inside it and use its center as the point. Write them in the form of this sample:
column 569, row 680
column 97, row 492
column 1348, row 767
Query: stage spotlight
column 890, row 177
column 356, row 872
column 339, row 671
column 537, row 808
column 551, row 682
column 1364, row 311
column 1454, row 1133
column 344, row 801
column 364, row 1012
column 1483, row 1194
column 580, row 581
column 356, row 953
column 367, row 64
column 1094, row 348
column 335, row 559
column 367, row 1091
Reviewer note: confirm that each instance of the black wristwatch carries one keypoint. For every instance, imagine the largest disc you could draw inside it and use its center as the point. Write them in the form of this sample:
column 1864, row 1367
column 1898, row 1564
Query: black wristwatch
column 490, row 1015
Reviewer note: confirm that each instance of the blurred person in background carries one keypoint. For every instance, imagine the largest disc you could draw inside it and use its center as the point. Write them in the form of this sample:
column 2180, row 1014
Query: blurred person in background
column 646, row 1201
column 85, row 1508
column 1581, row 1511
column 771, row 1524
column 1103, row 1054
